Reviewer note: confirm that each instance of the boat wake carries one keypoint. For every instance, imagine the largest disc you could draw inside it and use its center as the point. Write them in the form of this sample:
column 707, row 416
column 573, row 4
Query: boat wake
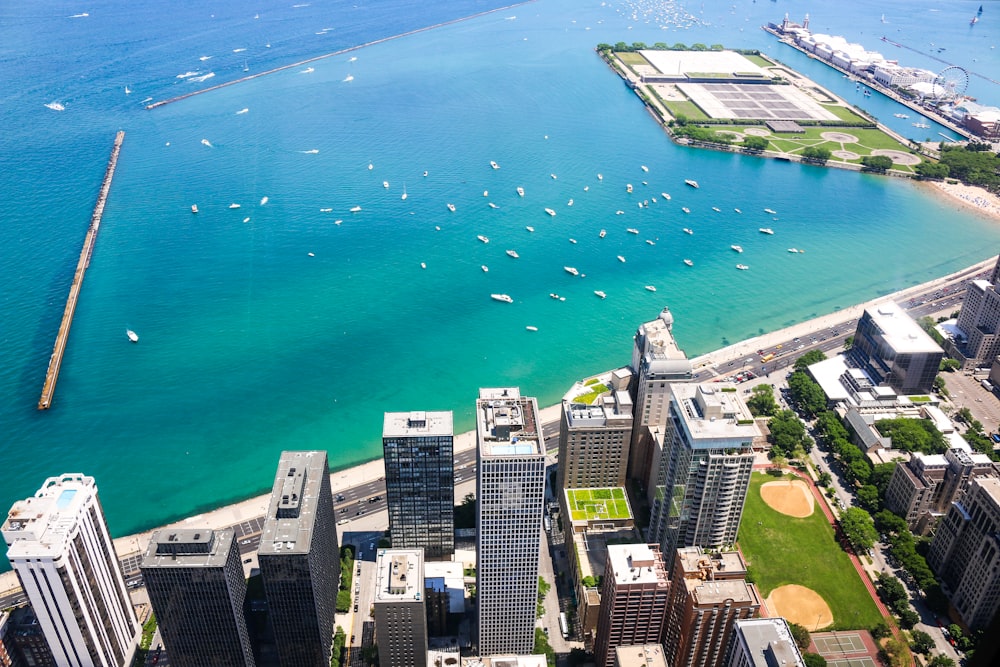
column 206, row 142
column 349, row 78
column 308, row 70
column 185, row 75
column 311, row 151
column 263, row 201
column 203, row 77
column 80, row 16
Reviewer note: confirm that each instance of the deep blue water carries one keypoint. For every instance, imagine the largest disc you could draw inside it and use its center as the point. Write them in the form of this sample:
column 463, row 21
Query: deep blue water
column 249, row 345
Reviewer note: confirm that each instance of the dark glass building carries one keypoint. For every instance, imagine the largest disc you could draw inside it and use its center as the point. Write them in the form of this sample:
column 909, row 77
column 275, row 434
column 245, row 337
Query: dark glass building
column 894, row 351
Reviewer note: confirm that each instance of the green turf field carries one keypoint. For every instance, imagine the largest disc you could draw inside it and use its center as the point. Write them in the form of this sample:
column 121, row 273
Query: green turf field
column 593, row 504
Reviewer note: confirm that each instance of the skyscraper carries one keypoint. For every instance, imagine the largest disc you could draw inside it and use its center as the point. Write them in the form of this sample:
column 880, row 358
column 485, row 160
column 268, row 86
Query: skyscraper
column 399, row 608
column 594, row 442
column 633, row 600
column 705, row 467
column 656, row 362
column 299, row 560
column 979, row 322
column 965, row 553
column 510, row 489
column 196, row 587
column 420, row 481
column 59, row 545
column 708, row 594
column 894, row 351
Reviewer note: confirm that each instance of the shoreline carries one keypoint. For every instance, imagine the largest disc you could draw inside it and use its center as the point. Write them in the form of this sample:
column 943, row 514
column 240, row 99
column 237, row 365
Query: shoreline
column 256, row 506
column 972, row 198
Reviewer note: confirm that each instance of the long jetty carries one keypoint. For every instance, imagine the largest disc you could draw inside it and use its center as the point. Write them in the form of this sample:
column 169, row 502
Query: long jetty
column 55, row 361
column 307, row 61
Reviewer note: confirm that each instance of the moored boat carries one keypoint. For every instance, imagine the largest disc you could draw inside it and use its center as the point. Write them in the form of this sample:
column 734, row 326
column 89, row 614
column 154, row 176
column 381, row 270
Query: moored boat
column 651, row 288
column 483, row 238
column 742, row 267
column 737, row 248
column 685, row 209
column 451, row 207
column 693, row 184
column 530, row 229
column 570, row 270
column 502, row 297
column 621, row 259
column 632, row 230
column 628, row 187
column 520, row 191
column 603, row 233
column 600, row 293
column 770, row 211
column 194, row 208
column 665, row 196
column 494, row 164
column 132, row 336
column 766, row 230
column 512, row 253
column 531, row 328
column 689, row 262
column 550, row 211
column 234, row 205
column 355, row 209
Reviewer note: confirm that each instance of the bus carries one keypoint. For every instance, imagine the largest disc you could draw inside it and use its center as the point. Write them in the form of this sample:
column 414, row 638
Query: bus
column 564, row 625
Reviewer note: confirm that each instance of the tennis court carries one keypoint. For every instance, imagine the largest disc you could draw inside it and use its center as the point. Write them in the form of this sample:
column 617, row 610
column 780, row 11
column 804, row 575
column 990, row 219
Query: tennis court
column 850, row 662
column 847, row 642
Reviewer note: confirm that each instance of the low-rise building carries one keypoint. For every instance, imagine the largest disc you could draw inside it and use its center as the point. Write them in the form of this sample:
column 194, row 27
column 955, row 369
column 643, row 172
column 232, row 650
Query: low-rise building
column 762, row 642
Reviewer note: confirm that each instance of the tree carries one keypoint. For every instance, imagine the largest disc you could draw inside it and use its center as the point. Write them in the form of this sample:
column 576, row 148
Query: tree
column 761, row 401
column 890, row 589
column 889, row 523
column 813, row 660
column 880, row 630
column 824, row 479
column 808, row 359
column 787, row 432
column 858, row 469
column 921, row 642
column 913, row 435
column 849, row 342
column 801, row 635
column 465, row 514
column 542, row 647
column 940, row 661
column 343, row 602
column 949, row 365
column 638, row 46
column 806, row 393
column 755, row 144
column 859, row 529
column 908, row 618
column 869, row 498
column 878, row 163
column 816, row 154
column 932, row 170
column 339, row 639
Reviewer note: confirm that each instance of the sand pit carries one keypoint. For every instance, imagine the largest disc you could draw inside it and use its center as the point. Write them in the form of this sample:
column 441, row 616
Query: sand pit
column 801, row 605
column 791, row 497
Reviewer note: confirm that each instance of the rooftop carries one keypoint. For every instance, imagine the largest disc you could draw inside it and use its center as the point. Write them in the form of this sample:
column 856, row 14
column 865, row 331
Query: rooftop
column 612, row 410
column 644, row 655
column 635, row 564
column 417, row 424
column 597, row 504
column 41, row 526
column 291, row 512
column 714, row 411
column 399, row 576
column 447, row 576
column 507, row 424
column 506, row 661
column 701, row 62
column 696, row 564
column 188, row 547
column 770, row 642
column 900, row 330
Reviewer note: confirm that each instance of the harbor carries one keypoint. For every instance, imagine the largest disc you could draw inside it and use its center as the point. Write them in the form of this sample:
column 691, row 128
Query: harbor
column 59, row 349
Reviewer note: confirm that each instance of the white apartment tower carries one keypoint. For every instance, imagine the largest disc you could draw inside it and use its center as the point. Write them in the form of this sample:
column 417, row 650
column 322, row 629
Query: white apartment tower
column 510, row 489
column 59, row 545
column 400, row 607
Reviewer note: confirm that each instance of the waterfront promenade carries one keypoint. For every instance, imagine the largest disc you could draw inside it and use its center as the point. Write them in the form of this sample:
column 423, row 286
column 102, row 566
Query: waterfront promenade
column 708, row 366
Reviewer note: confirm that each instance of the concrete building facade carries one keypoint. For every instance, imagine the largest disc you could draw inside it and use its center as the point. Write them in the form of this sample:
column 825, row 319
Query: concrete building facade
column 762, row 642
column 709, row 594
column 979, row 322
column 299, row 559
column 195, row 583
column 657, row 361
column 894, row 351
column 25, row 640
column 965, row 553
column 510, row 489
column 705, row 467
column 59, row 545
column 644, row 655
column 418, row 450
column 594, row 442
column 399, row 607
column 634, row 600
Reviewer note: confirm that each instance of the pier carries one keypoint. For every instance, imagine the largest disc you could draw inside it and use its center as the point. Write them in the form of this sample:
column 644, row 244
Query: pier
column 55, row 361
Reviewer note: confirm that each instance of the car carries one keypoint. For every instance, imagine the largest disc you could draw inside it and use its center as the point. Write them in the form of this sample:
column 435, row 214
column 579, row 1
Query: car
column 340, row 496
column 358, row 513
column 343, row 510
column 355, row 609
column 371, row 545
column 352, row 638
column 245, row 560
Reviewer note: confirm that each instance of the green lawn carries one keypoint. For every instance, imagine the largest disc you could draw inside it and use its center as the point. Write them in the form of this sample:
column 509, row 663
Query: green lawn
column 685, row 108
column 842, row 112
column 630, row 58
column 785, row 550
column 759, row 61
column 590, row 504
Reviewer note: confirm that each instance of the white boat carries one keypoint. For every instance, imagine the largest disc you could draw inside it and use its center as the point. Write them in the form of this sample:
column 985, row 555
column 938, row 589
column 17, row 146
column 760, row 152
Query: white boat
column 644, row 167
column 55, row 106
column 572, row 240
column 486, row 193
column 765, row 230
column 688, row 231
column 553, row 176
column 263, row 200
column 632, row 230
column 628, row 187
column 370, row 166
column 571, row 271
column 651, row 288
column 483, row 238
column 451, row 207
column 234, row 205
column 600, row 293
column 716, row 209
column 603, row 233
column 246, row 220
column 404, row 195
column 530, row 228
column 512, row 253
column 621, row 259
column 425, row 173
column 640, row 204
column 689, row 262
column 502, row 297
column 132, row 336
column 650, row 242
column 308, row 70
column 355, row 209
column 922, row 126
column 901, row 115
column 485, row 268
column 550, row 211
column 494, row 164
column 693, row 184
column 586, row 188
column 685, row 209
column 194, row 208
column 569, row 203
column 531, row 328
column 326, row 210
column 742, row 267
column 665, row 196
column 737, row 248
column 348, row 78
column 770, row 211
column 737, row 210
column 619, row 212
column 492, row 205
column 600, row 177
column 794, row 250
column 553, row 295
column 520, row 191
column 127, row 91
column 385, row 184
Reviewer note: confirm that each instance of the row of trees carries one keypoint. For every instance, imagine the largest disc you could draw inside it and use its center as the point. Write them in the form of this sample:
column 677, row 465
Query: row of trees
column 974, row 164
column 346, row 578
column 622, row 47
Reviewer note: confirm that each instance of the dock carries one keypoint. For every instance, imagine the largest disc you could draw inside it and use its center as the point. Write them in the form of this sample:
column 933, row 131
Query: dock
column 55, row 361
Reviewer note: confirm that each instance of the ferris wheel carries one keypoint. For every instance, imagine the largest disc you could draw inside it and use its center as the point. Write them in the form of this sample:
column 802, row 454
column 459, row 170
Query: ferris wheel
column 950, row 83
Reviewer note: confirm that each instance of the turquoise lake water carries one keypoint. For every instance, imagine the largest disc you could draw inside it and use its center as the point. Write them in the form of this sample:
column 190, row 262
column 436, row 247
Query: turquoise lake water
column 250, row 345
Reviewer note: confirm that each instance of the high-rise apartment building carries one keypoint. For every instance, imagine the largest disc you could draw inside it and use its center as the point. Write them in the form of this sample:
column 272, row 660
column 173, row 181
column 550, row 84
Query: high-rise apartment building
column 299, row 559
column 634, row 600
column 709, row 593
column 894, row 351
column 196, row 588
column 762, row 642
column 594, row 442
column 979, row 322
column 399, row 608
column 419, row 455
column 59, row 545
column 645, row 655
column 510, row 489
column 705, row 467
column 656, row 362
column 25, row 640
column 965, row 552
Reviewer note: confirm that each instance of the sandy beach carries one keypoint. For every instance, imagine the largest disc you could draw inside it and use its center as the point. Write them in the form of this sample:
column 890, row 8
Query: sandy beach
column 970, row 197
